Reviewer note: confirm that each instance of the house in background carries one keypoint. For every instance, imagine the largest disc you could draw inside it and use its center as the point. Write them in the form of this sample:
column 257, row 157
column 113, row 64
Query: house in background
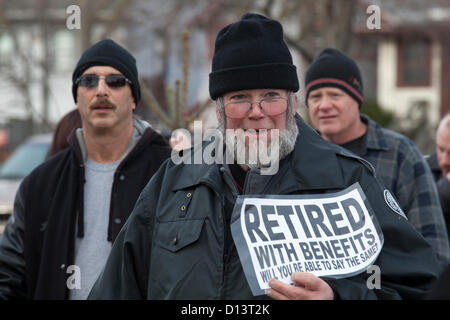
column 38, row 53
column 35, row 75
column 406, row 63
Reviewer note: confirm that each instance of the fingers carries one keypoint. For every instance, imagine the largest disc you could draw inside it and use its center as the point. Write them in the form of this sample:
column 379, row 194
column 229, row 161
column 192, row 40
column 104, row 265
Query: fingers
column 306, row 280
column 307, row 287
column 277, row 295
column 283, row 291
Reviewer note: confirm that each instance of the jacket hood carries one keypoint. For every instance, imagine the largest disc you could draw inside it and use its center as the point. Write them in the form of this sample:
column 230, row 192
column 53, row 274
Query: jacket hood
column 141, row 128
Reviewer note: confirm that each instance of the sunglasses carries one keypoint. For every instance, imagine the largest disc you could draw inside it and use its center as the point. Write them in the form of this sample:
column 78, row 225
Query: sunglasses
column 112, row 80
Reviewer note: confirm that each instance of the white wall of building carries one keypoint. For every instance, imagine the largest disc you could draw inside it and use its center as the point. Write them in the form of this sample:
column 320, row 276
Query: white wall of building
column 400, row 99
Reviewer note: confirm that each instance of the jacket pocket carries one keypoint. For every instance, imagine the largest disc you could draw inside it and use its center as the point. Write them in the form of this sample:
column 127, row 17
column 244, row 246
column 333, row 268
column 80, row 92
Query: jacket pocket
column 176, row 235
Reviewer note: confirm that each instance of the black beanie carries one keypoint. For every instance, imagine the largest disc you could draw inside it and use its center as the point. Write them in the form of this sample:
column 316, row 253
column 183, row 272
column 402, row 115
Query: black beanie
column 108, row 53
column 251, row 54
column 332, row 68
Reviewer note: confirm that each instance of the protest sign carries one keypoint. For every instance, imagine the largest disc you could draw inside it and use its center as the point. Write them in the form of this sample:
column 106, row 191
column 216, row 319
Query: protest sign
column 332, row 235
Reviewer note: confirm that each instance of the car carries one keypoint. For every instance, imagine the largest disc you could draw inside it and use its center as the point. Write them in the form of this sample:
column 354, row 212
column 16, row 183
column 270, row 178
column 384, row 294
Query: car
column 27, row 156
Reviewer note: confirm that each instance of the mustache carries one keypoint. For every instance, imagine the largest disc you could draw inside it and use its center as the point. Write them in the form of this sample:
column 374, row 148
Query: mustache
column 102, row 103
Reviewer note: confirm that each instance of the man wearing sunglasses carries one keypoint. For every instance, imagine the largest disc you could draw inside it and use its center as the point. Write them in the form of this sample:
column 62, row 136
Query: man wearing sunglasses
column 177, row 243
column 70, row 209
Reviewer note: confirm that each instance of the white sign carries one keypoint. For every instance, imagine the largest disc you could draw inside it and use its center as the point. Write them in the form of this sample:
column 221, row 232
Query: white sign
column 330, row 235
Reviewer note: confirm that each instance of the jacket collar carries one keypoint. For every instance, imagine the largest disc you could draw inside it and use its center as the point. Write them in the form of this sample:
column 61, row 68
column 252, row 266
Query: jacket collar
column 313, row 161
column 191, row 174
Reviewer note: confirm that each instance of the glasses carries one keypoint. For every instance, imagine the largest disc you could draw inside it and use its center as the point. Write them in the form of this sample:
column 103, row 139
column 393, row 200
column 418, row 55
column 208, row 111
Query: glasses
column 269, row 106
column 112, row 80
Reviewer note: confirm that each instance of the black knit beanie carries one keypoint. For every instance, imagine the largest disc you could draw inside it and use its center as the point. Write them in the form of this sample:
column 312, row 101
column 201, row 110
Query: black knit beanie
column 332, row 68
column 108, row 53
column 251, row 54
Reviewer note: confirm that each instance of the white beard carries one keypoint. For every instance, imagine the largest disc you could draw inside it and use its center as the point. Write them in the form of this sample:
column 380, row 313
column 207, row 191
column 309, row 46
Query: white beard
column 250, row 156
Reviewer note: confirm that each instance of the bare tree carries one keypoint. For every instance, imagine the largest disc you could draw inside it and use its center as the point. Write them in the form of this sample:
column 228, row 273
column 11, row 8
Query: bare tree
column 107, row 14
column 319, row 23
column 41, row 23
column 169, row 22
column 166, row 21
column 17, row 68
column 312, row 32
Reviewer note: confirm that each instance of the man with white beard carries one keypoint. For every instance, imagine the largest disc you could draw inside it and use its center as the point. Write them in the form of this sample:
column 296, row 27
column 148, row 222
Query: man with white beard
column 178, row 244
column 258, row 147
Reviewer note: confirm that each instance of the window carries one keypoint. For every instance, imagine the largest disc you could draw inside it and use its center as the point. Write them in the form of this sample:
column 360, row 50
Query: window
column 413, row 63
column 62, row 48
column 25, row 158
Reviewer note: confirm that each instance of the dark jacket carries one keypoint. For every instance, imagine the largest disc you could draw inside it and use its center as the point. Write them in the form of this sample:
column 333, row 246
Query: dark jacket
column 443, row 187
column 38, row 242
column 441, row 290
column 172, row 246
column 403, row 170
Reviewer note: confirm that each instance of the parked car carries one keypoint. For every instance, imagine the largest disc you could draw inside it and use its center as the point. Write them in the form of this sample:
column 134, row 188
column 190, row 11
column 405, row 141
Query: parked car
column 22, row 161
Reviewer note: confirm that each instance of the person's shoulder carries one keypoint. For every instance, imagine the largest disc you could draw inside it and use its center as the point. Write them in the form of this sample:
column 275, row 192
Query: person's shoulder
column 409, row 159
column 153, row 139
column 398, row 142
column 353, row 160
column 53, row 162
column 151, row 148
column 152, row 136
column 50, row 168
column 390, row 137
column 394, row 135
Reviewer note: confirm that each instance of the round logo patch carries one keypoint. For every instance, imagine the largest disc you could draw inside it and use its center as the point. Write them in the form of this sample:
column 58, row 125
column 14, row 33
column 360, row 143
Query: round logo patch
column 390, row 201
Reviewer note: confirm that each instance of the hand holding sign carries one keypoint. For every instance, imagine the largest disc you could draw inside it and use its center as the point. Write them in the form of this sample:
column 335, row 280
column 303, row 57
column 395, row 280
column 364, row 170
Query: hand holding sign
column 328, row 235
column 307, row 287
